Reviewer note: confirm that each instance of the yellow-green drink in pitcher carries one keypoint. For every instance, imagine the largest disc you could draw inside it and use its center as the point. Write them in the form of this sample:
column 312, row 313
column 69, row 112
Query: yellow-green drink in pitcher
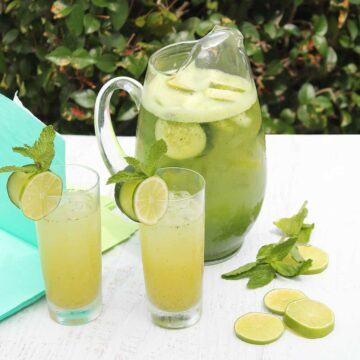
column 217, row 133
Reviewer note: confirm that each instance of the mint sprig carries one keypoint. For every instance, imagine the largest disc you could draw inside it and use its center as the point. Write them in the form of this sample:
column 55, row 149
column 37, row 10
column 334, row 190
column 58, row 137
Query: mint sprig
column 140, row 170
column 282, row 258
column 42, row 153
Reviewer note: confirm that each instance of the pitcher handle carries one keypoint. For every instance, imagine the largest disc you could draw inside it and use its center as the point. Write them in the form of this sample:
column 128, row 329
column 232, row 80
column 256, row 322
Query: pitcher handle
column 110, row 149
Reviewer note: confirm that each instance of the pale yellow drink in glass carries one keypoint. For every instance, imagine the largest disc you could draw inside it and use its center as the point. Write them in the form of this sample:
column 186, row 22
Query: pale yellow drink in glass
column 173, row 253
column 70, row 247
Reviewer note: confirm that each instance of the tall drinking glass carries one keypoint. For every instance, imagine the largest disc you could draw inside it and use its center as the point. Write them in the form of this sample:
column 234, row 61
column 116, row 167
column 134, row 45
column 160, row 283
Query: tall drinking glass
column 173, row 251
column 70, row 248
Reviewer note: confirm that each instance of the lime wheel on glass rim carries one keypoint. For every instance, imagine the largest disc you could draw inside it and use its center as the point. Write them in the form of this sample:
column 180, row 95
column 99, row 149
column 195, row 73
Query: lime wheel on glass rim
column 36, row 194
column 143, row 201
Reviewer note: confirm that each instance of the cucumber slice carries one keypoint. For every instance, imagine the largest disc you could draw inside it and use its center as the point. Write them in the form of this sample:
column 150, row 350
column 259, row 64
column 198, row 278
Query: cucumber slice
column 223, row 95
column 277, row 300
column 184, row 140
column 259, row 328
column 15, row 186
column 309, row 318
column 231, row 82
column 124, row 198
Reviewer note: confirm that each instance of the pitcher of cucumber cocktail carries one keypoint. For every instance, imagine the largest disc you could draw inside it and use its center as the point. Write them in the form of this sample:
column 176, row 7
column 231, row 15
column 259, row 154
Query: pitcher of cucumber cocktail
column 200, row 98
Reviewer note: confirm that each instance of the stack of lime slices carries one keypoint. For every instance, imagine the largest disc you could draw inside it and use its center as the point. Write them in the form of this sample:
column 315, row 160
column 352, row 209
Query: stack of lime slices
column 306, row 317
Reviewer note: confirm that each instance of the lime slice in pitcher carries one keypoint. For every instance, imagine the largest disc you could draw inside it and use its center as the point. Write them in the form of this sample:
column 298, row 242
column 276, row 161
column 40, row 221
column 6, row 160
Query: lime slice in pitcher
column 259, row 328
column 40, row 195
column 151, row 200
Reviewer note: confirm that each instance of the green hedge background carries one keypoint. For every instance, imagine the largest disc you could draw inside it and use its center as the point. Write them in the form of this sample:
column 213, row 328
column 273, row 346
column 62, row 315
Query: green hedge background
column 304, row 55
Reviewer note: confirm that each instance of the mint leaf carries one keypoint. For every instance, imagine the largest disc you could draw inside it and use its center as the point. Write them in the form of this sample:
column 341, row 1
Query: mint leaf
column 282, row 249
column 260, row 276
column 292, row 226
column 295, row 254
column 305, row 265
column 25, row 169
column 156, row 151
column 240, row 272
column 305, row 233
column 264, row 252
column 125, row 176
column 135, row 163
column 286, row 270
column 42, row 152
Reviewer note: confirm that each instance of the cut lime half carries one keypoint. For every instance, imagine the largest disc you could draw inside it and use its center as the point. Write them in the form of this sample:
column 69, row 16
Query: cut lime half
column 319, row 257
column 259, row 328
column 151, row 200
column 309, row 318
column 277, row 300
column 41, row 195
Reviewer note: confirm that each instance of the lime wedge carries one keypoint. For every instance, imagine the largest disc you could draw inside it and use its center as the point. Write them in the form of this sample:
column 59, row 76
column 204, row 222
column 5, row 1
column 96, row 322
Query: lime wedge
column 309, row 318
column 15, row 186
column 41, row 195
column 277, row 300
column 259, row 328
column 151, row 200
column 320, row 259
column 124, row 198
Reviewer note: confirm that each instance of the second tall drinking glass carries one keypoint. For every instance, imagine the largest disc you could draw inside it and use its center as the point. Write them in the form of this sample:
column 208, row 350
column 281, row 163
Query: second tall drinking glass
column 70, row 248
column 173, row 251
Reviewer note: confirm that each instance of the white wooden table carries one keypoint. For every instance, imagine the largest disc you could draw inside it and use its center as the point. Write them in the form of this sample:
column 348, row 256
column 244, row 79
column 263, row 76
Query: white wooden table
column 325, row 170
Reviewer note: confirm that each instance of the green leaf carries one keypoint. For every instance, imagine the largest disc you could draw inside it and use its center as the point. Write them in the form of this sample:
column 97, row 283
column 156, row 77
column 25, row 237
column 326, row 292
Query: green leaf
column 116, row 41
column 303, row 115
column 264, row 252
column 270, row 29
column 101, row 3
column 42, row 152
column 288, row 116
column 240, row 272
column 286, row 269
column 81, row 58
column 261, row 276
column 60, row 10
column 10, row 36
column 156, row 151
column 136, row 64
column 250, row 31
column 355, row 2
column 61, row 56
column 305, row 233
column 125, row 176
column 119, row 14
column 352, row 28
column 282, row 249
column 135, row 163
column 306, row 93
column 85, row 98
column 74, row 21
column 331, row 59
column 346, row 118
column 321, row 44
column 25, row 169
column 91, row 24
column 320, row 24
column 292, row 226
column 292, row 29
column 204, row 27
column 305, row 266
column 107, row 62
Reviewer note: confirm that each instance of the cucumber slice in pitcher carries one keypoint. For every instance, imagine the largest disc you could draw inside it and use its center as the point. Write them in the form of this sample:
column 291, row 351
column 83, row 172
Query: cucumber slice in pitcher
column 183, row 140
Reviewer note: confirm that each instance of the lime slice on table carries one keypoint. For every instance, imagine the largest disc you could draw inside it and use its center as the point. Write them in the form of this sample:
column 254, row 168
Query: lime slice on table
column 319, row 257
column 259, row 328
column 277, row 300
column 309, row 318
column 40, row 195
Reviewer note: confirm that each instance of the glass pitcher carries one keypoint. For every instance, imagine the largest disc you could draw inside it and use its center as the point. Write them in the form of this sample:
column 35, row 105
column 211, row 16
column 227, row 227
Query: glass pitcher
column 200, row 98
